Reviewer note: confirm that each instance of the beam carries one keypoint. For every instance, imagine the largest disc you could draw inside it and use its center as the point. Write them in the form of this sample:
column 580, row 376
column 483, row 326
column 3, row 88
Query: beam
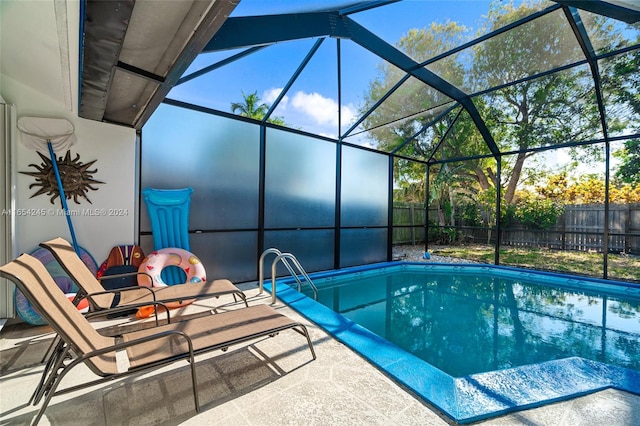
column 381, row 48
column 614, row 10
column 209, row 25
column 250, row 31
column 104, row 29
column 587, row 48
column 219, row 64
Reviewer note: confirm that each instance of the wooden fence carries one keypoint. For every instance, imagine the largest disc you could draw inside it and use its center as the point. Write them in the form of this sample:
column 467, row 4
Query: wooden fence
column 580, row 228
column 409, row 221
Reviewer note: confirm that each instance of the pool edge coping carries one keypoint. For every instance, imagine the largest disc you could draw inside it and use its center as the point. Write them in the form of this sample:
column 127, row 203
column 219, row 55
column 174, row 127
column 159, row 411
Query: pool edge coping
column 477, row 396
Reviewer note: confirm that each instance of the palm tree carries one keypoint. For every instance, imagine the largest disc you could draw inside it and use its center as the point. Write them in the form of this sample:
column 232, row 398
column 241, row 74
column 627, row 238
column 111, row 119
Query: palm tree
column 251, row 107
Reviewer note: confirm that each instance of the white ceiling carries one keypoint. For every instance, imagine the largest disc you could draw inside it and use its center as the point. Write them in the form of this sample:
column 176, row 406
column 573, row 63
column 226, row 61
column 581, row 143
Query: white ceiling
column 35, row 50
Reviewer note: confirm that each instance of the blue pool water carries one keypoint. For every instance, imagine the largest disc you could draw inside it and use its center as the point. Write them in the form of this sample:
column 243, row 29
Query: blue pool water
column 476, row 340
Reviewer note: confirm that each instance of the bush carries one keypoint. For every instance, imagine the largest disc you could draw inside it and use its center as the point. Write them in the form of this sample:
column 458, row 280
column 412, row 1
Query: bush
column 468, row 214
column 538, row 213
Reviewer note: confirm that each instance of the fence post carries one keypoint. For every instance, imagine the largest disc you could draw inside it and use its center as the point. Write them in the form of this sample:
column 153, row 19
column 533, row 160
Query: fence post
column 627, row 231
column 563, row 244
column 412, row 221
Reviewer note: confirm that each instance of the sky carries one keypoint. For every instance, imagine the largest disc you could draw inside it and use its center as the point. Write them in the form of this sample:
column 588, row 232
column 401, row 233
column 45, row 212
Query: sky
column 312, row 102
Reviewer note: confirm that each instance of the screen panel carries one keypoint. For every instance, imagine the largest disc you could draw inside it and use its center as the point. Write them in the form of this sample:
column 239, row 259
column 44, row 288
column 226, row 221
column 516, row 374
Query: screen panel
column 362, row 246
column 300, row 181
column 230, row 255
column 225, row 255
column 216, row 156
column 312, row 248
column 365, row 188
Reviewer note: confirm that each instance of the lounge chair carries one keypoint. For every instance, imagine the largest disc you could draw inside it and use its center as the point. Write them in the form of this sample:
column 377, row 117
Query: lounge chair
column 101, row 299
column 145, row 349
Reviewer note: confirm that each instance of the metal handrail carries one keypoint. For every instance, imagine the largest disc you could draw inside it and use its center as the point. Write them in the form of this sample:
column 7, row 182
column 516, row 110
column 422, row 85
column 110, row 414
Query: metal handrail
column 301, row 271
column 283, row 257
column 261, row 266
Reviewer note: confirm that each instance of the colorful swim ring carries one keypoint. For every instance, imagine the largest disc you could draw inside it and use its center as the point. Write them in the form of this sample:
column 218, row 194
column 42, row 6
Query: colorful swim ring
column 157, row 261
column 24, row 308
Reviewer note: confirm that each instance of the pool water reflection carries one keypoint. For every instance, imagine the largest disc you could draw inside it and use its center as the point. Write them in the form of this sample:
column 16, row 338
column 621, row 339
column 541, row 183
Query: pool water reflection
column 479, row 340
column 468, row 322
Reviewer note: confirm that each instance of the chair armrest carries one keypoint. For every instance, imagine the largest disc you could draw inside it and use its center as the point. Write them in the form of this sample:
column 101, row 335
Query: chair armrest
column 126, row 274
column 120, row 290
column 139, row 341
column 125, row 308
column 129, row 307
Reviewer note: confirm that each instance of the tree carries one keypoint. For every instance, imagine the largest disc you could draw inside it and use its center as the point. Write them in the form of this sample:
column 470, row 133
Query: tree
column 623, row 80
column 587, row 189
column 629, row 170
column 549, row 110
column 414, row 103
column 553, row 109
column 252, row 108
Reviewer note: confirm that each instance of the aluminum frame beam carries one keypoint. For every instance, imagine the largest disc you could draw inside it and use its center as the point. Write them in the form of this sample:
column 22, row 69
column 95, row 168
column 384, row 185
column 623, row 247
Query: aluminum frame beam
column 610, row 9
column 260, row 30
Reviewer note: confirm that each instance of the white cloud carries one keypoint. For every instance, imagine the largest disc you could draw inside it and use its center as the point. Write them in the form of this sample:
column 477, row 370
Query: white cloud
column 310, row 108
column 348, row 115
column 324, row 111
column 269, row 96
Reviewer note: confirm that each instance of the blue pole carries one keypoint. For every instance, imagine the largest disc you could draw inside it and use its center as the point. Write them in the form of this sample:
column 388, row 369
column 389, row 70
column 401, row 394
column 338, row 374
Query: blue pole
column 63, row 198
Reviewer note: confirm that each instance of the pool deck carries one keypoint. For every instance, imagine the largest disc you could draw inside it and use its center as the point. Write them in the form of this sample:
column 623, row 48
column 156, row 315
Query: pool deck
column 477, row 396
column 265, row 382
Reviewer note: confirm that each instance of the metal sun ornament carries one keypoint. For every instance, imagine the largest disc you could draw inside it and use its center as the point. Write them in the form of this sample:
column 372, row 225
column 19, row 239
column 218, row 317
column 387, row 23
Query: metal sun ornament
column 76, row 178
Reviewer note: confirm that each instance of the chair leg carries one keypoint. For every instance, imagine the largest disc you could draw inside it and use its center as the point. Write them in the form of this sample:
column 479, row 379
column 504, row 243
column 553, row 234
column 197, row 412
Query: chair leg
column 50, row 349
column 194, row 382
column 303, row 330
column 243, row 297
column 56, row 355
column 52, row 384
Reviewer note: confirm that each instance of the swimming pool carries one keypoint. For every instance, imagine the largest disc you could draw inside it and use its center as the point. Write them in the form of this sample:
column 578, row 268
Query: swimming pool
column 537, row 337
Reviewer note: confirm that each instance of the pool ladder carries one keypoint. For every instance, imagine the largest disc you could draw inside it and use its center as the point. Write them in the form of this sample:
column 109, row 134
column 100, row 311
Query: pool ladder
column 284, row 258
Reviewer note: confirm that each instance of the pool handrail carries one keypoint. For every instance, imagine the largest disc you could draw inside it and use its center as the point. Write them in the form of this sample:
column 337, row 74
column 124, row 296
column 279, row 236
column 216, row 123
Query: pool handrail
column 261, row 266
column 301, row 271
column 283, row 257
column 284, row 262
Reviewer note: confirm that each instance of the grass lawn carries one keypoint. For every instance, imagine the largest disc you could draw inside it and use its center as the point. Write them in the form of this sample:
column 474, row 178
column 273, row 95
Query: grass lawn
column 622, row 267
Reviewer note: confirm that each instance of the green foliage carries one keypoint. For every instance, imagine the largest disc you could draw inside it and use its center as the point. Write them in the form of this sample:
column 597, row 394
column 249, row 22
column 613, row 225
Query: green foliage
column 251, row 107
column 535, row 212
column 629, row 170
column 469, row 214
column 434, row 234
column 449, row 235
column 539, row 213
column 413, row 96
column 508, row 214
column 552, row 109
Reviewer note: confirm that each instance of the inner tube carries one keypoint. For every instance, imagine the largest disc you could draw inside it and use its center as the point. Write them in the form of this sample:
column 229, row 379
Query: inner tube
column 157, row 261
column 25, row 309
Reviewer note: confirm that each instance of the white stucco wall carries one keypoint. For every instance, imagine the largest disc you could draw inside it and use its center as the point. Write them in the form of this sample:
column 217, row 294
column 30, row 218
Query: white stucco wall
column 112, row 219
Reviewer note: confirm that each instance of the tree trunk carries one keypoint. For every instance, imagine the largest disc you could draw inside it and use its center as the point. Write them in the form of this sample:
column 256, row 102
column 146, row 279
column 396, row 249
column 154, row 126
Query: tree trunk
column 510, row 192
column 452, row 219
column 482, row 178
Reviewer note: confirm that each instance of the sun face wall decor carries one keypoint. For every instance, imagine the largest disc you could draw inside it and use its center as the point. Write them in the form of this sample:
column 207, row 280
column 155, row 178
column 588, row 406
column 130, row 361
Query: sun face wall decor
column 76, row 178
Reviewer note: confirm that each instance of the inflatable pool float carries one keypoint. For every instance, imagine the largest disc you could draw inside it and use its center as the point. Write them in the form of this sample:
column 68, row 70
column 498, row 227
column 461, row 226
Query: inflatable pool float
column 24, row 308
column 153, row 266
